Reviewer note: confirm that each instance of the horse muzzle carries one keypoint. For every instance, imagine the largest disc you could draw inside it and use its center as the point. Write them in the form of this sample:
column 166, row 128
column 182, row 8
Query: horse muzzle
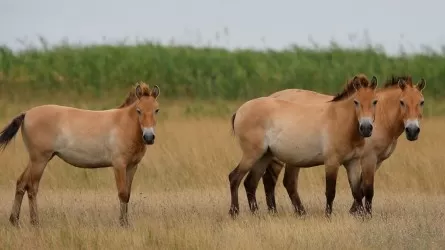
column 365, row 127
column 412, row 132
column 148, row 136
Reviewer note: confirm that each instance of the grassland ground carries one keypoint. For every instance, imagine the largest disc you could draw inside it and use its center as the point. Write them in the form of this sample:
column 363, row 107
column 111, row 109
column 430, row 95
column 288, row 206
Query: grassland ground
column 180, row 196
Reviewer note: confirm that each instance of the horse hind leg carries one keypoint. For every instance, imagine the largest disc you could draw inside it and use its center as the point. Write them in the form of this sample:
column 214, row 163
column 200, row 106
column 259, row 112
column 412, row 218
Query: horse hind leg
column 253, row 178
column 290, row 182
column 270, row 179
column 251, row 156
column 20, row 190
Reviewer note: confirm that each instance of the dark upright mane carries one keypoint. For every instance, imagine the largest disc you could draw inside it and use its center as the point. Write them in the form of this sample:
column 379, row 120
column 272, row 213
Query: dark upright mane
column 394, row 81
column 350, row 88
column 131, row 97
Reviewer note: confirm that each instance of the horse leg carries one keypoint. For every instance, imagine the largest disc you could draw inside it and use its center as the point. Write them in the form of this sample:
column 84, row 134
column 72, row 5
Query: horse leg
column 270, row 178
column 290, row 182
column 20, row 190
column 353, row 169
column 252, row 180
column 120, row 174
column 368, row 171
column 331, row 182
column 36, row 169
column 131, row 170
column 251, row 185
column 249, row 159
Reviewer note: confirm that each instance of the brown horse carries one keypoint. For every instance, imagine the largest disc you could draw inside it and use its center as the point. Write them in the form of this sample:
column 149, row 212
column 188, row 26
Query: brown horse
column 399, row 110
column 86, row 139
column 304, row 135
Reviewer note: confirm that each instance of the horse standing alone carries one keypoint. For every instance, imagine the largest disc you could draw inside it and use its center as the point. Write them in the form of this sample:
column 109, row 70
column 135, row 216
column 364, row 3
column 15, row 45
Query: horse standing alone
column 86, row 139
column 304, row 135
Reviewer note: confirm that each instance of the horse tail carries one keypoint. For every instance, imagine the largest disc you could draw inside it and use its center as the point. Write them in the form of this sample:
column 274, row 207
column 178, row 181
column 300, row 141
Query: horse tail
column 10, row 131
column 233, row 122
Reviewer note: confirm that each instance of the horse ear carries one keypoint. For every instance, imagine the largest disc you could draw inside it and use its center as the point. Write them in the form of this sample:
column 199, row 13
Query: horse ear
column 402, row 84
column 138, row 91
column 421, row 84
column 356, row 83
column 155, row 91
column 374, row 82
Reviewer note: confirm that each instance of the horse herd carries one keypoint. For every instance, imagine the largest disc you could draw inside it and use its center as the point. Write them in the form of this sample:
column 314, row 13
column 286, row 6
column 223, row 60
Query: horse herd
column 290, row 129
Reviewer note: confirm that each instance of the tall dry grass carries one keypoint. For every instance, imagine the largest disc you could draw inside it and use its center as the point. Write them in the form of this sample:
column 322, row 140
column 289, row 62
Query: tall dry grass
column 180, row 196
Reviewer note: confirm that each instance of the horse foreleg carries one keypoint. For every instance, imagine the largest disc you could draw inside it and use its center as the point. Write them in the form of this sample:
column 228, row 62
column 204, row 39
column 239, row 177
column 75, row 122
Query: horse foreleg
column 131, row 170
column 353, row 170
column 331, row 182
column 120, row 174
column 368, row 171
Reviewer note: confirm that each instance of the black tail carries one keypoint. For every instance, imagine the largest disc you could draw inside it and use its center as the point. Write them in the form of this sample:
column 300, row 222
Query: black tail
column 233, row 122
column 10, row 131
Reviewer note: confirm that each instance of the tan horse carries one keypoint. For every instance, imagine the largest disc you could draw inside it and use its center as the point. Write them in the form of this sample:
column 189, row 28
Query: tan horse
column 86, row 139
column 304, row 135
column 399, row 110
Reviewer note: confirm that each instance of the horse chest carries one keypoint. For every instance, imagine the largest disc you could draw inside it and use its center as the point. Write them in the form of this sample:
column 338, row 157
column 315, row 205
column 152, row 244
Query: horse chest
column 353, row 153
column 387, row 151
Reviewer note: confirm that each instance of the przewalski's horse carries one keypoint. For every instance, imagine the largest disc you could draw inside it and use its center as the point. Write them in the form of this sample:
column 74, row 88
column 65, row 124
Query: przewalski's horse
column 399, row 110
column 304, row 135
column 86, row 139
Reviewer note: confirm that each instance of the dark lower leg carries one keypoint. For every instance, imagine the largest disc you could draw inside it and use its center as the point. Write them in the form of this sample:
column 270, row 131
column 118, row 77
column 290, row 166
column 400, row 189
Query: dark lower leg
column 355, row 183
column 331, row 182
column 234, row 180
column 270, row 178
column 290, row 182
column 250, row 184
column 369, row 194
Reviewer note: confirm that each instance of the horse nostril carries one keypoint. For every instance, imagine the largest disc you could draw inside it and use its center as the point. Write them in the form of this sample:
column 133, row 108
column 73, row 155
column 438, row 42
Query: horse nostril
column 412, row 130
column 366, row 127
column 149, row 137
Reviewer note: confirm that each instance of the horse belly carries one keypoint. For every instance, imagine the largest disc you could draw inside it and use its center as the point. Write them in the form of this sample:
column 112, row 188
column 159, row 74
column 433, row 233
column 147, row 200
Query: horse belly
column 92, row 158
column 299, row 154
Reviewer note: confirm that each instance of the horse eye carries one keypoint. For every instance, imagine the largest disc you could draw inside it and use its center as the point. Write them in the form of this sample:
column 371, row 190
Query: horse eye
column 374, row 102
column 356, row 102
column 157, row 110
column 138, row 110
column 421, row 103
column 402, row 103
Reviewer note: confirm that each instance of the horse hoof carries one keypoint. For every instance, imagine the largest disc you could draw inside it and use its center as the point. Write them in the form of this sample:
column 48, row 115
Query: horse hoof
column 233, row 213
column 123, row 222
column 14, row 221
column 301, row 212
column 35, row 223
column 273, row 211
column 357, row 211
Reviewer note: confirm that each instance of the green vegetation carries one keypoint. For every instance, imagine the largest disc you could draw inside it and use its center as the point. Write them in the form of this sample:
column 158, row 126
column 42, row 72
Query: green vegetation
column 206, row 73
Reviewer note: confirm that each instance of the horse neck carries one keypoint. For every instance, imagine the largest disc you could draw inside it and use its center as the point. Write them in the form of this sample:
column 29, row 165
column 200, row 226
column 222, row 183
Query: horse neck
column 388, row 113
column 129, row 121
column 343, row 115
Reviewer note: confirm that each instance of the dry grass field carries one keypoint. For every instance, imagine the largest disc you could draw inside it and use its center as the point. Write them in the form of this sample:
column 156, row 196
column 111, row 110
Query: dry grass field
column 180, row 196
